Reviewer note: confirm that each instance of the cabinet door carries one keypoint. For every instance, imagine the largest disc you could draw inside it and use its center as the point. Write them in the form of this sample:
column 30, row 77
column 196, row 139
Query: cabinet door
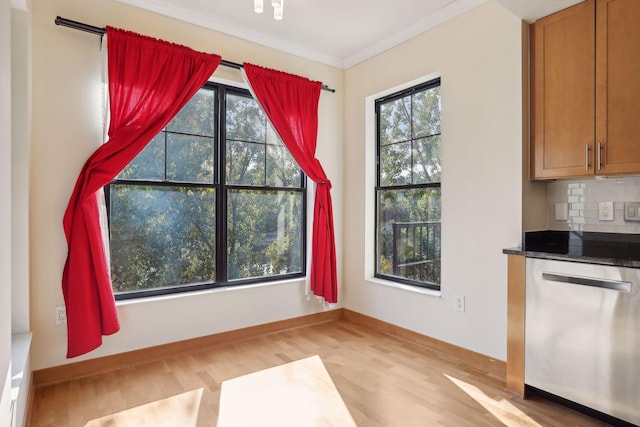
column 562, row 93
column 618, row 86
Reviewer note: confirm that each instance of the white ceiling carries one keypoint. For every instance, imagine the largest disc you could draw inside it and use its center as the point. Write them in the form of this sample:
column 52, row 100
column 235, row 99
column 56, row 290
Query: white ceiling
column 340, row 33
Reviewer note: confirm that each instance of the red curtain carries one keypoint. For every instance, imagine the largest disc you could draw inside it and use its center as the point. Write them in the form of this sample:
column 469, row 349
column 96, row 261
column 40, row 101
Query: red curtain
column 291, row 103
column 149, row 82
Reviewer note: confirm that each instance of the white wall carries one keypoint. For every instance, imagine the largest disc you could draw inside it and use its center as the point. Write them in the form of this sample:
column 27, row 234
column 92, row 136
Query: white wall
column 67, row 128
column 20, row 152
column 5, row 210
column 479, row 58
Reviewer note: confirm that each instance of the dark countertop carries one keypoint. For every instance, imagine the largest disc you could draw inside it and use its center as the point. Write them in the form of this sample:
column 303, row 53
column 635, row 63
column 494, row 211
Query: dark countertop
column 594, row 248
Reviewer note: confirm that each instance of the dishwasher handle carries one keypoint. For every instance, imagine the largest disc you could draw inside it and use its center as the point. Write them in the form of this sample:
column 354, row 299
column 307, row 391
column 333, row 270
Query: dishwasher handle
column 587, row 281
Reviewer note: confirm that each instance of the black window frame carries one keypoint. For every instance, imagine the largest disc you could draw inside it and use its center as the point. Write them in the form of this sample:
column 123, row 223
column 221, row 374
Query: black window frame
column 222, row 190
column 436, row 82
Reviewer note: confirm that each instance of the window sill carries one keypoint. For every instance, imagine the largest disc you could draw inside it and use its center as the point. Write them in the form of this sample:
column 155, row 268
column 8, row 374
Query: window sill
column 132, row 301
column 402, row 286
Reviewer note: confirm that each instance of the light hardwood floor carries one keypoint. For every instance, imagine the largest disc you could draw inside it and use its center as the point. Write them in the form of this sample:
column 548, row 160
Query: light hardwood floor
column 383, row 380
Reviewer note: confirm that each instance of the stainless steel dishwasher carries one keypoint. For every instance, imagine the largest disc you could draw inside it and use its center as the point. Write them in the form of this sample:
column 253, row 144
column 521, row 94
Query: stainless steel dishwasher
column 582, row 334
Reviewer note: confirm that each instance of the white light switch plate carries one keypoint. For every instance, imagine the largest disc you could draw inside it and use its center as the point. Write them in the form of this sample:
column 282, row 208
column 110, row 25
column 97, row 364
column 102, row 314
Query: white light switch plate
column 562, row 211
column 632, row 211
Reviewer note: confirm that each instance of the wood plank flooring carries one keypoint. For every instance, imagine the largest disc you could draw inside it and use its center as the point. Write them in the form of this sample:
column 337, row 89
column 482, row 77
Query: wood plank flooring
column 383, row 380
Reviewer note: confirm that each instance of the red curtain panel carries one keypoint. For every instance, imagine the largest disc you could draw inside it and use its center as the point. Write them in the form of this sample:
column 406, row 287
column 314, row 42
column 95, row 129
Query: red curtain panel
column 291, row 104
column 149, row 82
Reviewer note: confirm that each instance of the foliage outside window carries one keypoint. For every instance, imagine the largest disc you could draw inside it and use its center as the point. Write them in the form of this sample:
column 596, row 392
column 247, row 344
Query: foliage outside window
column 214, row 200
column 408, row 205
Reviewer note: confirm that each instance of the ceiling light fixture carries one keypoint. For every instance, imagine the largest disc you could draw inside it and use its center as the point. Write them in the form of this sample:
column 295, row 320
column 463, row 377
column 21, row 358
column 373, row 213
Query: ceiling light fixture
column 278, row 8
column 258, row 6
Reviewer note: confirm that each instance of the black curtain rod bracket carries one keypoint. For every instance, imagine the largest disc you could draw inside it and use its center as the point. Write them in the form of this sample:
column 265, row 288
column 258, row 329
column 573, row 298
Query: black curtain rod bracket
column 102, row 31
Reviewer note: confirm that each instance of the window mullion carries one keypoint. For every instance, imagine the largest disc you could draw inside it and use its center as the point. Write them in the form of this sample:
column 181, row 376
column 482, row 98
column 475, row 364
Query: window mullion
column 378, row 143
column 166, row 149
column 221, row 193
column 266, row 147
column 413, row 139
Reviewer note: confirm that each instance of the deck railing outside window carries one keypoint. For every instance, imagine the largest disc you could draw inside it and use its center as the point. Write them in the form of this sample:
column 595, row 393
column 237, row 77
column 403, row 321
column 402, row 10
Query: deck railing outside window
column 416, row 250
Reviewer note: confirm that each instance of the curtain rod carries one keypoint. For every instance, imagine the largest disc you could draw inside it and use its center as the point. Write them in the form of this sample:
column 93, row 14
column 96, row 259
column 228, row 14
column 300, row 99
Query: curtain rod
column 101, row 32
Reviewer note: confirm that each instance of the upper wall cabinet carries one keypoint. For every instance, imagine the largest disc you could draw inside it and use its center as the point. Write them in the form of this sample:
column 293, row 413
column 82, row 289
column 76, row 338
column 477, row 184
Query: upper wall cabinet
column 585, row 91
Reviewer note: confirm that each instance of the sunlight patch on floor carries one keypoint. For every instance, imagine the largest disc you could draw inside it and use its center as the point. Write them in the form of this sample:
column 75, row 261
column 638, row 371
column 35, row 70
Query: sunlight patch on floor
column 179, row 410
column 299, row 393
column 504, row 411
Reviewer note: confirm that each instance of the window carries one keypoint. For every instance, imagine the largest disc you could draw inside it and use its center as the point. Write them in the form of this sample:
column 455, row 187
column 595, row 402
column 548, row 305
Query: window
column 213, row 200
column 408, row 183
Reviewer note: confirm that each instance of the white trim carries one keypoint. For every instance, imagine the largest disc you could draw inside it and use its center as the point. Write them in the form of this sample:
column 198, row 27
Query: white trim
column 227, row 82
column 402, row 286
column 20, row 5
column 7, row 404
column 221, row 289
column 433, row 20
column 243, row 32
column 223, row 25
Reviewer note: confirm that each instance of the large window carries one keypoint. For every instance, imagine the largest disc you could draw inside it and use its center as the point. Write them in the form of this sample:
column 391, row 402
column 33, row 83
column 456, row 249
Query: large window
column 215, row 199
column 408, row 186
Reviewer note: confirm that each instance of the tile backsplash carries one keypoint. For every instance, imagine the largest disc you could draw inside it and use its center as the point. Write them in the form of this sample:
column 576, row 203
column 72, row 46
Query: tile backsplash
column 582, row 199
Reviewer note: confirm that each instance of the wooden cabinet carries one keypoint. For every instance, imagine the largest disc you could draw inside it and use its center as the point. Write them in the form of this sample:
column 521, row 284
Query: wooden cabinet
column 516, row 271
column 618, row 86
column 562, row 93
column 585, row 91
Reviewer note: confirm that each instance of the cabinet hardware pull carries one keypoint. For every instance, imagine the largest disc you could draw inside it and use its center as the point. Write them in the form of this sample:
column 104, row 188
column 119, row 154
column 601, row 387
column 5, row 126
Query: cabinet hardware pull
column 586, row 162
column 587, row 281
column 599, row 155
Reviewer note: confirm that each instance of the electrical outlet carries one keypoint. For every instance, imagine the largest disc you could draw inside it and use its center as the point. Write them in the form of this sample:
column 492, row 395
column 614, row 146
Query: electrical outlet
column 605, row 211
column 61, row 315
column 460, row 304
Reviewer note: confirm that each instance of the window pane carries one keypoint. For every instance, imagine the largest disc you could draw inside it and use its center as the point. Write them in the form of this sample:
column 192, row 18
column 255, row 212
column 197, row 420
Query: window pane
column 148, row 164
column 161, row 236
column 426, row 112
column 408, row 234
column 395, row 121
column 163, row 231
column 196, row 117
column 189, row 158
column 272, row 135
column 395, row 164
column 426, row 160
column 245, row 119
column 282, row 170
column 264, row 236
column 245, row 163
